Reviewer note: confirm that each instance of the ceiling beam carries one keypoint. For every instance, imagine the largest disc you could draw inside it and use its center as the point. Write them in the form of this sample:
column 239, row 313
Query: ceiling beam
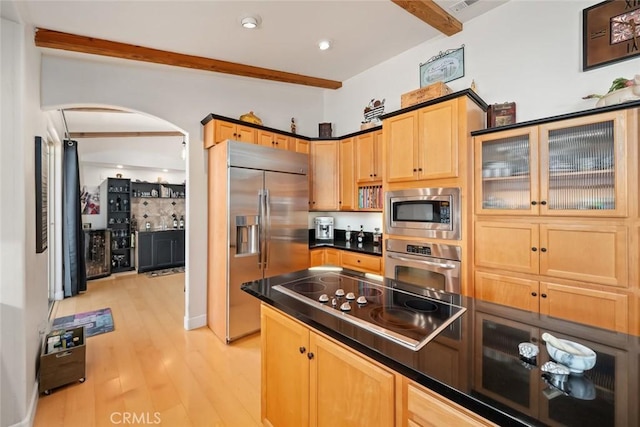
column 65, row 41
column 124, row 134
column 429, row 12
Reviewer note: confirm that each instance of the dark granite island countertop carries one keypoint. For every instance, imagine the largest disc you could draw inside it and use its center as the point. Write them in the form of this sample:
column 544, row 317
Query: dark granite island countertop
column 476, row 362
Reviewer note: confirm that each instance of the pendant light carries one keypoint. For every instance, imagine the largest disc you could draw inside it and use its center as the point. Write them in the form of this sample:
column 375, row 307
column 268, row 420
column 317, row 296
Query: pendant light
column 183, row 153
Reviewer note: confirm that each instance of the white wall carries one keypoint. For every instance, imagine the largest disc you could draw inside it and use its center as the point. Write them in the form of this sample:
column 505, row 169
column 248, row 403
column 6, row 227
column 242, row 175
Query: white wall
column 23, row 273
column 525, row 51
column 182, row 97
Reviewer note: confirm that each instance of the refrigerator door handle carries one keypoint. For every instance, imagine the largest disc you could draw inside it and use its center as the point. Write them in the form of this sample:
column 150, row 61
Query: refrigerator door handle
column 267, row 228
column 260, row 228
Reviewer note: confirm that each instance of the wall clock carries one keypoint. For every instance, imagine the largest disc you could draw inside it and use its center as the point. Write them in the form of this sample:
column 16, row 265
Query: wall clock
column 610, row 33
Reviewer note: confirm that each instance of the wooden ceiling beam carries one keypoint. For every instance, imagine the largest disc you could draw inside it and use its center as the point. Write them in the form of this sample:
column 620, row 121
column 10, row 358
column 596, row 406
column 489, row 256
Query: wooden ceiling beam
column 429, row 12
column 124, row 134
column 65, row 41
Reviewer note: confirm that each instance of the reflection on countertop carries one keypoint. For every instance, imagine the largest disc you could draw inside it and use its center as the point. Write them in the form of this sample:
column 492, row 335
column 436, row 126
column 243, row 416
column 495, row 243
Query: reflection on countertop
column 480, row 368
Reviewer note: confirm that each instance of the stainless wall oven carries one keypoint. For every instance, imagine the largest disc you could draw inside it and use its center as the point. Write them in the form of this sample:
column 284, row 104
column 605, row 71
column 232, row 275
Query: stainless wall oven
column 424, row 212
column 429, row 265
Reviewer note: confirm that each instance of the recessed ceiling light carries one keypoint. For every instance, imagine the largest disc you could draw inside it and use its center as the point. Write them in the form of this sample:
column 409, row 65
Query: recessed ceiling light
column 250, row 22
column 165, row 170
column 324, row 44
column 119, row 166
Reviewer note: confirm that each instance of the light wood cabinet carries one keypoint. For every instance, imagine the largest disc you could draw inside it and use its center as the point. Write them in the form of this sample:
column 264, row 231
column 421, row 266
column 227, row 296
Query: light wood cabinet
column 571, row 302
column 310, row 380
column 422, row 144
column 352, row 260
column 425, row 408
column 324, row 165
column 300, row 146
column 216, row 131
column 273, row 139
column 368, row 157
column 347, row 180
column 588, row 252
column 554, row 205
column 316, row 257
column 567, row 168
column 362, row 262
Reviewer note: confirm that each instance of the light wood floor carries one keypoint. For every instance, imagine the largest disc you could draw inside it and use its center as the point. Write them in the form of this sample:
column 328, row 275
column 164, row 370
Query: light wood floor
column 152, row 370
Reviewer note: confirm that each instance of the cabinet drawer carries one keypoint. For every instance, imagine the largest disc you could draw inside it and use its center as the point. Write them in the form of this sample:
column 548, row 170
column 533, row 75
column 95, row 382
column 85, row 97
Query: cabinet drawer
column 361, row 262
column 429, row 409
column 506, row 290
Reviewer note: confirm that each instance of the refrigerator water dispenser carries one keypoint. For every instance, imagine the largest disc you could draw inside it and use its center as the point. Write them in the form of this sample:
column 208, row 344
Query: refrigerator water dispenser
column 247, row 235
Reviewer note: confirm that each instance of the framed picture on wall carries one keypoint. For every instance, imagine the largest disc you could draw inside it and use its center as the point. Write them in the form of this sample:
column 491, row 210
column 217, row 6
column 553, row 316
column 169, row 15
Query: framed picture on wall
column 610, row 33
column 41, row 192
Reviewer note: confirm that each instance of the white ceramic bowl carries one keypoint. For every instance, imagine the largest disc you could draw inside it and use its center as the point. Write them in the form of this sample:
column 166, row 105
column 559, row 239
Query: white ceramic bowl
column 576, row 364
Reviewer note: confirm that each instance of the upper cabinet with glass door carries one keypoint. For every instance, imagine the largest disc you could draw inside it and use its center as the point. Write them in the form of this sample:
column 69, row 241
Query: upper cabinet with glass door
column 571, row 167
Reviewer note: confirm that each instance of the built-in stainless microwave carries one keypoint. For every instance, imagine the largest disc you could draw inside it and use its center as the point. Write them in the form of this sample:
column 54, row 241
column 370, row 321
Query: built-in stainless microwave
column 424, row 212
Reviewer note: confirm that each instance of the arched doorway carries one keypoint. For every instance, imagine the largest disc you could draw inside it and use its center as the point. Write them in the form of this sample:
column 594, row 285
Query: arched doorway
column 113, row 141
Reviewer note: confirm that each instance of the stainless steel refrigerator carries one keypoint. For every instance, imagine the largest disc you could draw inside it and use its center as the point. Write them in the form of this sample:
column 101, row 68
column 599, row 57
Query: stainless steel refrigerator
column 267, row 224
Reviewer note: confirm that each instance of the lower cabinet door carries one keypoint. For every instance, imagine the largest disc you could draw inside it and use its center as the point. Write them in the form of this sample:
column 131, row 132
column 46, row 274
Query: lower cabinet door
column 346, row 389
column 603, row 309
column 163, row 249
column 145, row 258
column 506, row 290
column 285, row 370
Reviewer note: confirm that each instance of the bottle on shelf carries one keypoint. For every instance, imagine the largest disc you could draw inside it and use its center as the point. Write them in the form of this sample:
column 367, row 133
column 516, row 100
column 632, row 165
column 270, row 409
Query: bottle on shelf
column 134, row 223
column 175, row 221
column 361, row 236
column 377, row 237
column 181, row 221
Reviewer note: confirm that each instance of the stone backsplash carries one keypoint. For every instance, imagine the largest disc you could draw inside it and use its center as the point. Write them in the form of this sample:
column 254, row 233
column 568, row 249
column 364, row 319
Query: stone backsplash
column 157, row 211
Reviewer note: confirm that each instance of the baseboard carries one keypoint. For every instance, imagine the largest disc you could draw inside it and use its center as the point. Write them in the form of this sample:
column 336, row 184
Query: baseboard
column 31, row 411
column 195, row 322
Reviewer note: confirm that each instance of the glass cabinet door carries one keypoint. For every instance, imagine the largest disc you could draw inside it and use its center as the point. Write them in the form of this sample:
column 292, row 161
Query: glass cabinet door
column 507, row 172
column 580, row 166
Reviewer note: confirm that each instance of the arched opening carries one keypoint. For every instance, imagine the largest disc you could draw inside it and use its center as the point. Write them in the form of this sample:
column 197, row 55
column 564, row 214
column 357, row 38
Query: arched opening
column 115, row 141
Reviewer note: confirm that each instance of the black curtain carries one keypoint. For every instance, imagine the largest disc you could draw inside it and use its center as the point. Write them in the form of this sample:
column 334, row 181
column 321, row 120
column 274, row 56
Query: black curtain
column 73, row 268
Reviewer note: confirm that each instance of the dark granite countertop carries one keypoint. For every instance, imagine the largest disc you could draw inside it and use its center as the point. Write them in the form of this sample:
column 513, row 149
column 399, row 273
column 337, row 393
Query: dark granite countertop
column 160, row 230
column 339, row 242
column 367, row 248
column 476, row 363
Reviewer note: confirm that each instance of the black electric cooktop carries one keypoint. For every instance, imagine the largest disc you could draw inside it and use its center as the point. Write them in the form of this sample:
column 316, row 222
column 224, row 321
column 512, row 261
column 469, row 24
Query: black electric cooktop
column 406, row 318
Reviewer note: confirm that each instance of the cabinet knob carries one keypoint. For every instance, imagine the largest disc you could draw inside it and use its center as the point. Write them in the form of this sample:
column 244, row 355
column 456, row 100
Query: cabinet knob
column 419, row 169
column 543, row 203
column 358, row 261
column 533, row 294
column 534, row 339
column 533, row 203
column 534, row 249
column 310, row 356
column 302, row 350
column 543, row 295
column 543, row 249
column 371, row 175
column 415, row 170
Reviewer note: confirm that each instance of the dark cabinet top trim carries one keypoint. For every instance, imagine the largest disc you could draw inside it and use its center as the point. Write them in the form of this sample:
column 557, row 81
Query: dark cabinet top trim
column 584, row 113
column 467, row 92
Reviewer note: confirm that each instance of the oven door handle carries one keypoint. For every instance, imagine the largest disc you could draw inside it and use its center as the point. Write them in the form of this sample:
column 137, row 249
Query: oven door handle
column 431, row 263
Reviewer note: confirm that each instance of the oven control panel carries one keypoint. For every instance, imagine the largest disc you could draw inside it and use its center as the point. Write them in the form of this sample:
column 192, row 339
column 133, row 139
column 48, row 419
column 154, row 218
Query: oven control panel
column 422, row 250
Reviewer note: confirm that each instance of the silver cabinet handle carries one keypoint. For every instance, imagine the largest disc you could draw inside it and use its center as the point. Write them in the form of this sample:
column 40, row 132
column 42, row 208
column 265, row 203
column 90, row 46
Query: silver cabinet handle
column 434, row 264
